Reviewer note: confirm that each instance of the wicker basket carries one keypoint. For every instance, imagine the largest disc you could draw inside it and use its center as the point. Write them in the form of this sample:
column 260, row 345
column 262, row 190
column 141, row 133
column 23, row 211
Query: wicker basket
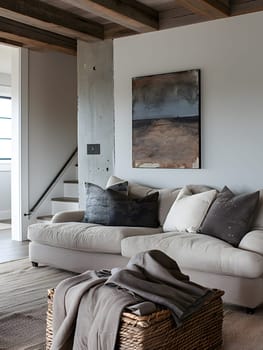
column 157, row 331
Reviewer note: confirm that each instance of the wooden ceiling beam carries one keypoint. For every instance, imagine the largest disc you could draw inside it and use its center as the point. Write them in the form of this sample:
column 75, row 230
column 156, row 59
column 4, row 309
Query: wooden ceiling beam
column 10, row 42
column 211, row 9
column 128, row 13
column 32, row 37
column 44, row 16
column 239, row 7
column 113, row 30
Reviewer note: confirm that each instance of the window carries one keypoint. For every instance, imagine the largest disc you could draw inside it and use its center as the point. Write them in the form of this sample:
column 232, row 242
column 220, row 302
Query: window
column 5, row 128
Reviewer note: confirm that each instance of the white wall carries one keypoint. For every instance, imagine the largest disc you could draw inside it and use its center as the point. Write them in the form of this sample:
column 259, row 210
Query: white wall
column 229, row 53
column 52, row 117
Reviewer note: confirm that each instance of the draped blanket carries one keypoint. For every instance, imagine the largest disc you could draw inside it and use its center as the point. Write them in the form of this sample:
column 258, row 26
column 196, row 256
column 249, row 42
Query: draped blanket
column 88, row 307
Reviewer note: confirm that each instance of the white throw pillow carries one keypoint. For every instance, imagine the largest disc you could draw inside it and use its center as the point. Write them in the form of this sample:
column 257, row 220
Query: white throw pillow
column 188, row 210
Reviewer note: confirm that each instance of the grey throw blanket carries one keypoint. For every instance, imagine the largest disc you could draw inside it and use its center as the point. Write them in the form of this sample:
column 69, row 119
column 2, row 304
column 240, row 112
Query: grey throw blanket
column 156, row 277
column 88, row 307
column 86, row 313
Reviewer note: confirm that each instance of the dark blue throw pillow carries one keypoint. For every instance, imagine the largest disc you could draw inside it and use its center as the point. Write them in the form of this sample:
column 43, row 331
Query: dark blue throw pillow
column 113, row 208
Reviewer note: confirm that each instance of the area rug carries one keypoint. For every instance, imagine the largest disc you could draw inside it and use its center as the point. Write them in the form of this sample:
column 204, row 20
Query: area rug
column 242, row 331
column 23, row 305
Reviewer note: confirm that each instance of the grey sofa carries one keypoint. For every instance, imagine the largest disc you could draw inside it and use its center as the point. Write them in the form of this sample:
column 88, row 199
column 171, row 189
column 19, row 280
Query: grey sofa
column 70, row 244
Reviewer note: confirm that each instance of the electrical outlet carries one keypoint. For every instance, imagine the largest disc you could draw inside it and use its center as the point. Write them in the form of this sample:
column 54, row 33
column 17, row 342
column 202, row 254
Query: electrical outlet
column 93, row 148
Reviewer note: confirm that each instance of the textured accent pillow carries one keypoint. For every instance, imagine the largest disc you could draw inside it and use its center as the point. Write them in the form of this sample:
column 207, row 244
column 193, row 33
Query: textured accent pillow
column 188, row 210
column 230, row 216
column 111, row 208
column 166, row 195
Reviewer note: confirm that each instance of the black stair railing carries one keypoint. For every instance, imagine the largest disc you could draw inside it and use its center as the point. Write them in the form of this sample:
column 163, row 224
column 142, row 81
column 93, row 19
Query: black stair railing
column 51, row 183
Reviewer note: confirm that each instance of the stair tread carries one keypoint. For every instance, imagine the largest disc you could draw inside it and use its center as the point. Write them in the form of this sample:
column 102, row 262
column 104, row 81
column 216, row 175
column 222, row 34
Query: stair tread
column 45, row 217
column 71, row 182
column 66, row 199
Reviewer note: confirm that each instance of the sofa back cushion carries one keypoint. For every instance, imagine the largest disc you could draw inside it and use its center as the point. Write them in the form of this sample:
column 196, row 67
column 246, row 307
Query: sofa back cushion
column 167, row 196
column 188, row 210
column 112, row 208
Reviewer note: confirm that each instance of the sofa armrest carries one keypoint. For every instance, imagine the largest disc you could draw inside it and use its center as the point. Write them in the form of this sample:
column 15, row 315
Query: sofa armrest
column 253, row 241
column 68, row 216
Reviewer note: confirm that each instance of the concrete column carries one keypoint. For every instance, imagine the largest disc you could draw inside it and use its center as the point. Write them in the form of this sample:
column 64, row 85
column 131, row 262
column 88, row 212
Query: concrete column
column 95, row 113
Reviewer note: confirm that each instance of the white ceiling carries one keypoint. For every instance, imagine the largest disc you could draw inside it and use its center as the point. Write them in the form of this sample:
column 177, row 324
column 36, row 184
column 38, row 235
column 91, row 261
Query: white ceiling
column 5, row 58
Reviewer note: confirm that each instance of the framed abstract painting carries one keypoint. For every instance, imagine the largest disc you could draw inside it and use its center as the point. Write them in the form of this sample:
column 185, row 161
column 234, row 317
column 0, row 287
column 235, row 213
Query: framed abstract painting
column 166, row 120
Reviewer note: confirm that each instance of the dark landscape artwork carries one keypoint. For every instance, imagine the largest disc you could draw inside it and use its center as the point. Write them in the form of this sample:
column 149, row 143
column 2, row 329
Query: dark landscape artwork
column 166, row 120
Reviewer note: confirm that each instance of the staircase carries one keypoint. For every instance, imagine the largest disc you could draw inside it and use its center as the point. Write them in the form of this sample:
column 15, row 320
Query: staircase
column 69, row 200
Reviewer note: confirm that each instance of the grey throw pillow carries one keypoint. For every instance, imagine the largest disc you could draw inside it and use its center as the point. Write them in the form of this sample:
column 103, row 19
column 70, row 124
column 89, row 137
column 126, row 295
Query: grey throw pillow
column 112, row 208
column 229, row 217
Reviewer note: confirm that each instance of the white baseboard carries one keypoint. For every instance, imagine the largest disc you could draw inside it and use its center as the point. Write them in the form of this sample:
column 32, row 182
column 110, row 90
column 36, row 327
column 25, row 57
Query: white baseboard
column 5, row 214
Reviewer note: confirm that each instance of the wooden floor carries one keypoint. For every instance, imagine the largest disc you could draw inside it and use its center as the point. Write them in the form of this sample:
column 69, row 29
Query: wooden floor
column 11, row 250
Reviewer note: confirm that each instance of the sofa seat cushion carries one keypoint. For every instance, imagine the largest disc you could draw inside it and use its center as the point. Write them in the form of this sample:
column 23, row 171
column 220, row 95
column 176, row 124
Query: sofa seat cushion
column 253, row 241
column 199, row 252
column 85, row 236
